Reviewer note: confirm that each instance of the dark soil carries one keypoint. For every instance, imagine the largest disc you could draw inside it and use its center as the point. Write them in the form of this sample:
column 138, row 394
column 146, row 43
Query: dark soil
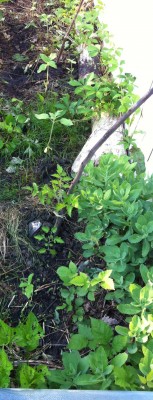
column 19, row 78
column 18, row 252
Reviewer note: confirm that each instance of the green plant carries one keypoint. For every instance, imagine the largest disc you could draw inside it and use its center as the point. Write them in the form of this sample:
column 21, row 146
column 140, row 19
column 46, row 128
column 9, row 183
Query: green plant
column 54, row 118
column 47, row 63
column 5, row 368
column 79, row 287
column 49, row 240
column 55, row 195
column 109, row 363
column 19, row 57
column 114, row 204
column 25, row 335
column 27, row 286
column 46, row 19
column 103, row 95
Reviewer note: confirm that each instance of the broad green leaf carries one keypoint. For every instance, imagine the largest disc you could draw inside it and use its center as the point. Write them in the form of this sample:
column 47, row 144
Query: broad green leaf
column 145, row 248
column 5, row 368
column 45, row 229
column 73, row 268
column 41, row 68
column 28, row 335
column 71, row 361
column 135, row 292
column 147, row 361
column 87, row 380
column 33, row 377
column 135, row 238
column 66, row 122
column 128, row 309
column 52, row 64
column 80, row 280
column 135, row 325
column 125, row 377
column 47, row 59
column 75, row 83
column 6, row 334
column 121, row 330
column 119, row 343
column 98, row 360
column 102, row 332
column 144, row 273
column 119, row 360
column 108, row 284
column 113, row 239
column 77, row 342
column 146, row 295
column 42, row 116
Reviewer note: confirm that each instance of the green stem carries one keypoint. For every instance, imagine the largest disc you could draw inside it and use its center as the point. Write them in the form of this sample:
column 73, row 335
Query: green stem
column 51, row 132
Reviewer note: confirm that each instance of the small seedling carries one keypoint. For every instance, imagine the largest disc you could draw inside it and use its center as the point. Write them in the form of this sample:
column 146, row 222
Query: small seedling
column 48, row 239
column 27, row 286
column 47, row 62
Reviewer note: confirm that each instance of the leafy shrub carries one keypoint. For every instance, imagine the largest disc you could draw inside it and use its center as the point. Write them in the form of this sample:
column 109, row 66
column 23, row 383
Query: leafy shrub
column 116, row 205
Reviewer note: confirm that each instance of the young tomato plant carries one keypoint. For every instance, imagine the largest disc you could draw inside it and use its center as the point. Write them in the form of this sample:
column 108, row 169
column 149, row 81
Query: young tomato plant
column 49, row 240
column 56, row 195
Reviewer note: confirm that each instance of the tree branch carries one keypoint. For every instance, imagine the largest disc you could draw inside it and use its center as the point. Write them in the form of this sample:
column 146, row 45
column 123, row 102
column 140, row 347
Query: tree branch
column 110, row 131
column 68, row 31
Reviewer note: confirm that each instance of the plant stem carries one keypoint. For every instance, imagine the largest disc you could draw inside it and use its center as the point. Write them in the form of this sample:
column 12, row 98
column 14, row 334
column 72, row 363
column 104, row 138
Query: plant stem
column 51, row 132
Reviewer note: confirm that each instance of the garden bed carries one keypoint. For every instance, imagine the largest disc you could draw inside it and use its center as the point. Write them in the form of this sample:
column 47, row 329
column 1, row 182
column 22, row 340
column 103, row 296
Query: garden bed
column 76, row 302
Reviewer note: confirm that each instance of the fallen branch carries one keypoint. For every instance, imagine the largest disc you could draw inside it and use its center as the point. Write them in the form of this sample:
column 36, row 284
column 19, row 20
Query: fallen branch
column 68, row 31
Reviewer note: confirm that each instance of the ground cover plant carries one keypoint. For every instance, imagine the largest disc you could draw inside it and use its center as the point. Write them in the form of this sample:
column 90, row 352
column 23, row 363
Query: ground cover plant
column 76, row 296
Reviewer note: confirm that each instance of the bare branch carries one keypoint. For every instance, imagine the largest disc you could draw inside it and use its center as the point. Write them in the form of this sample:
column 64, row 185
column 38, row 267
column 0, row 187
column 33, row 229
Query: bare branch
column 68, row 31
column 110, row 131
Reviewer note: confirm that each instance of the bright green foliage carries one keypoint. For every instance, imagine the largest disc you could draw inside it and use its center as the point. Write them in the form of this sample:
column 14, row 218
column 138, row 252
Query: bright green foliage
column 55, row 194
column 114, row 204
column 80, row 286
column 27, row 286
column 47, row 62
column 5, row 368
column 48, row 240
column 6, row 334
column 146, row 368
column 32, row 378
column 28, row 335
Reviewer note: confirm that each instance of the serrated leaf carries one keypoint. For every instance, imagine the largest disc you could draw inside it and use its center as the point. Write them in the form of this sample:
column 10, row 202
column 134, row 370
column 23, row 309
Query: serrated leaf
column 77, row 342
column 119, row 343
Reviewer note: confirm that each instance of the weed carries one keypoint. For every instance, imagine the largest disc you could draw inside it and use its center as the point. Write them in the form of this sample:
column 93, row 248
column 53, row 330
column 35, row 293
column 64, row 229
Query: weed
column 27, row 286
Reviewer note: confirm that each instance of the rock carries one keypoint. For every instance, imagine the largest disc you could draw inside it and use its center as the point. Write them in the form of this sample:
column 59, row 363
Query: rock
column 33, row 227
